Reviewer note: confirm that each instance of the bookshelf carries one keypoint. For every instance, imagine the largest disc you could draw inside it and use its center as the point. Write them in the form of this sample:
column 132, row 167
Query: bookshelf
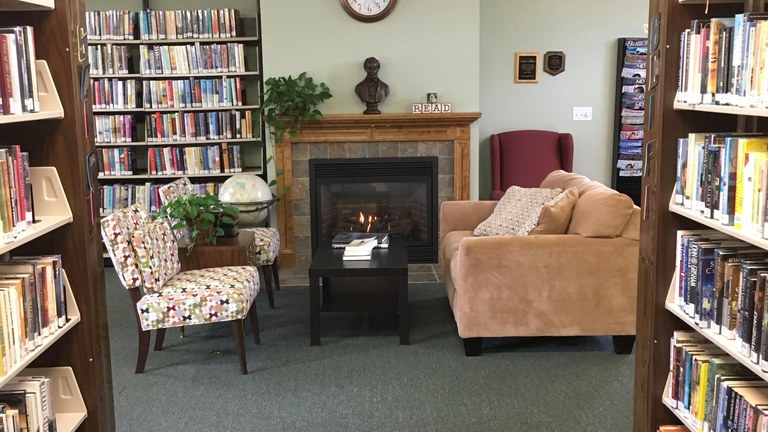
column 666, row 121
column 57, row 140
column 160, row 101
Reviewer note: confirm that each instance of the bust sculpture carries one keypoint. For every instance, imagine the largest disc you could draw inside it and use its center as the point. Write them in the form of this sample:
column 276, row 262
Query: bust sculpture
column 372, row 90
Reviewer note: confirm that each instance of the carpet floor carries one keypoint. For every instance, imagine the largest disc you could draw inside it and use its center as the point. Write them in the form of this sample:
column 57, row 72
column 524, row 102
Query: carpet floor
column 361, row 379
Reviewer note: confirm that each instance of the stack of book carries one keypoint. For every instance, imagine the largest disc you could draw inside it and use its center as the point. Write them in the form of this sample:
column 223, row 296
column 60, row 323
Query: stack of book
column 342, row 239
column 360, row 250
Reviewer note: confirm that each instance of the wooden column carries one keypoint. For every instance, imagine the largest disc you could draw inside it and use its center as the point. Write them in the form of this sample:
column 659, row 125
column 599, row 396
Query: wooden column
column 372, row 128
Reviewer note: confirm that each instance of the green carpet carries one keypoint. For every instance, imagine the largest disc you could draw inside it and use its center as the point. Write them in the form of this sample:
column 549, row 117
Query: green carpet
column 361, row 379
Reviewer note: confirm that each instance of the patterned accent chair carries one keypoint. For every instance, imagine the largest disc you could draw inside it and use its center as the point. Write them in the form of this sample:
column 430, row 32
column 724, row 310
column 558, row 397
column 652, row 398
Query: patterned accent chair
column 145, row 256
column 263, row 253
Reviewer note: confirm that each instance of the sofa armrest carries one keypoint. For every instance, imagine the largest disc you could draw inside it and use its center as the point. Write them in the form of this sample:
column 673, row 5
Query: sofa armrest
column 463, row 215
column 544, row 285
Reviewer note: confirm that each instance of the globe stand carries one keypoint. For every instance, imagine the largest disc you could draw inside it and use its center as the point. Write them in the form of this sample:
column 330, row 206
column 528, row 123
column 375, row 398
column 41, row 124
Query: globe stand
column 249, row 207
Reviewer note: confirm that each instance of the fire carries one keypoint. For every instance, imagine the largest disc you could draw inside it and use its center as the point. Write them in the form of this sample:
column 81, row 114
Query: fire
column 367, row 221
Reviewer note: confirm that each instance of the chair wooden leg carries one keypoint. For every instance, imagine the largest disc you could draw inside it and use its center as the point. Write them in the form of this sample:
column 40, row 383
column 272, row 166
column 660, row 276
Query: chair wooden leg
column 141, row 361
column 159, row 338
column 238, row 327
column 275, row 266
column 268, row 282
column 255, row 324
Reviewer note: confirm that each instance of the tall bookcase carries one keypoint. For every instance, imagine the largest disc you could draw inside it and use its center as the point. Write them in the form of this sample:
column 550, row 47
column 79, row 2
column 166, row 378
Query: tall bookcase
column 665, row 123
column 57, row 138
column 156, row 101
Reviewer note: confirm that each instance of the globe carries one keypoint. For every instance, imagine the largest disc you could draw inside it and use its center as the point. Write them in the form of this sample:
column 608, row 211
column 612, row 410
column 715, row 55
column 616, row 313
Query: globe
column 250, row 194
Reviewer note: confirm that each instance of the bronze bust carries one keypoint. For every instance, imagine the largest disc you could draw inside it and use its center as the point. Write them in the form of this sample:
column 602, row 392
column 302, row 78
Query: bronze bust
column 372, row 90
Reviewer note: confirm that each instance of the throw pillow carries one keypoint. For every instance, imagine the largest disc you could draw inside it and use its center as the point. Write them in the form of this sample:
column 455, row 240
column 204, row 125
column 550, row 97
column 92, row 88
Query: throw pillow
column 601, row 212
column 556, row 214
column 156, row 254
column 517, row 212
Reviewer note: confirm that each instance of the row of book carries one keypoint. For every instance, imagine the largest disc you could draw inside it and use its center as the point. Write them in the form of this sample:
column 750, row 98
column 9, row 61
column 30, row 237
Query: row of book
column 121, row 195
column 33, row 305
column 162, row 24
column 27, row 404
column 213, row 159
column 194, row 92
column 114, row 93
column 114, row 128
column 723, row 61
column 633, row 75
column 199, row 126
column 724, row 176
column 110, row 59
column 18, row 71
column 713, row 391
column 720, row 282
column 192, row 58
column 16, row 212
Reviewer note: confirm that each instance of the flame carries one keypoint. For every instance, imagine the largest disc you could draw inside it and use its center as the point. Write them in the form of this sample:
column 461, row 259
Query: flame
column 367, row 221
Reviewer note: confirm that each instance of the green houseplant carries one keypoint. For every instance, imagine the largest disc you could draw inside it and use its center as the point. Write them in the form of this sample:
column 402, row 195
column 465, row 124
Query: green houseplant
column 201, row 215
column 288, row 103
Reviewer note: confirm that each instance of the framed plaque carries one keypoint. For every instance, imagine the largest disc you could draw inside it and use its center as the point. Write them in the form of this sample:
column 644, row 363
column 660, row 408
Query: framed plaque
column 526, row 67
column 554, row 62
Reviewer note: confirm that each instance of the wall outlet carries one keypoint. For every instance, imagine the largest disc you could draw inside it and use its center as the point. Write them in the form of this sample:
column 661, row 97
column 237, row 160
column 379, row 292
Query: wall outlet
column 582, row 113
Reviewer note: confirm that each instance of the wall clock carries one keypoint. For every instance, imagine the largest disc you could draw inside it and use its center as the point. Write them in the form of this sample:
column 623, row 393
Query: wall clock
column 368, row 10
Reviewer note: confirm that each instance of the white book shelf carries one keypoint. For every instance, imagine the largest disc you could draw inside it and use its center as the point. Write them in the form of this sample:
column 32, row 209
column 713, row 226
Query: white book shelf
column 26, row 5
column 67, row 399
column 50, row 104
column 51, row 207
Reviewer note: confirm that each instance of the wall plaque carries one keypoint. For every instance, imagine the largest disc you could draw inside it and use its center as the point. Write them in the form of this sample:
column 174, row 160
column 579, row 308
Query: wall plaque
column 554, row 62
column 526, row 67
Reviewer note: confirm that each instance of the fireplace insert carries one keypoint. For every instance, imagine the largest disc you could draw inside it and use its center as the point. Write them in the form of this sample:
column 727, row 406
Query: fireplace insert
column 395, row 195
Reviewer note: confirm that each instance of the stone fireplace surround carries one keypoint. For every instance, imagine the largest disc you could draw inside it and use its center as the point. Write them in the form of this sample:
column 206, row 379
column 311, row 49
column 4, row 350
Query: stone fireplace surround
column 446, row 136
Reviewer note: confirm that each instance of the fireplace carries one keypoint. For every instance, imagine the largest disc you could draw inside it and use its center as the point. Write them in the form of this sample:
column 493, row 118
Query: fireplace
column 397, row 195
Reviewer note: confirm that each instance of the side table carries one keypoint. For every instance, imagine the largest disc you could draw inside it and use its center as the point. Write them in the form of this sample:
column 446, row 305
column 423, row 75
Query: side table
column 378, row 285
column 228, row 251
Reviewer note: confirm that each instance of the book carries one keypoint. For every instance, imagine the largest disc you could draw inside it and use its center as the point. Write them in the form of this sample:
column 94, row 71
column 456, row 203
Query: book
column 341, row 239
column 364, row 257
column 360, row 247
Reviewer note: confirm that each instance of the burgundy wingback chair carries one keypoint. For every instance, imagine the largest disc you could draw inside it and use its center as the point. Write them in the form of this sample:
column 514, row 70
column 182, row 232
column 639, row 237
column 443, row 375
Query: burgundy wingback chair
column 525, row 157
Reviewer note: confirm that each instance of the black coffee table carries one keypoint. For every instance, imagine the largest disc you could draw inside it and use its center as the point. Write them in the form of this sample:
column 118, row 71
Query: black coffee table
column 378, row 285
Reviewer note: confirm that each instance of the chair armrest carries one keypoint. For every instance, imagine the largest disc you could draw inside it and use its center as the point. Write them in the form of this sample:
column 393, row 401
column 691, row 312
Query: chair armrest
column 463, row 215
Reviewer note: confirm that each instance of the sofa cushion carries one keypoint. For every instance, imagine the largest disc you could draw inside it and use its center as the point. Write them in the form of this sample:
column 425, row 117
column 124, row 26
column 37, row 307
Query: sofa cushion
column 556, row 214
column 601, row 212
column 517, row 213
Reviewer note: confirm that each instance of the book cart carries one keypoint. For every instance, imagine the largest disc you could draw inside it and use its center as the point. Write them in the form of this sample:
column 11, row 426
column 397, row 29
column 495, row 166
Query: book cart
column 76, row 357
column 666, row 121
column 158, row 93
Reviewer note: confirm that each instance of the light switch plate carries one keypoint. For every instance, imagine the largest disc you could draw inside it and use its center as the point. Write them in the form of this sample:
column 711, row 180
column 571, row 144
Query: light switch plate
column 582, row 113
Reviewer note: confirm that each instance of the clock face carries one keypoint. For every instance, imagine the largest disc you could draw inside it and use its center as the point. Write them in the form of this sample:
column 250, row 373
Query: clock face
column 368, row 10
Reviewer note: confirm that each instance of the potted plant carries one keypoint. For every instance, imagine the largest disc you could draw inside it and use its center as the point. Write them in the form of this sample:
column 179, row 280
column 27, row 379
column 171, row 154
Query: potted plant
column 289, row 102
column 201, row 215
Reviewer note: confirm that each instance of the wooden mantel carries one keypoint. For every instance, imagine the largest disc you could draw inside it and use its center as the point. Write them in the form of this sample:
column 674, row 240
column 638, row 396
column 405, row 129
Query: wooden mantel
column 453, row 127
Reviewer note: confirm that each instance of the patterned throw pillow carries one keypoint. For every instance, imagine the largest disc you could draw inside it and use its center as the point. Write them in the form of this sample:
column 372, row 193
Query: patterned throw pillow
column 517, row 213
column 156, row 254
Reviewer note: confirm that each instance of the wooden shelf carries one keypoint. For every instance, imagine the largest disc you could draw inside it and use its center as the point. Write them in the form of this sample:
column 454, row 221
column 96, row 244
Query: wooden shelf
column 67, row 399
column 50, row 104
column 26, row 5
column 73, row 317
column 721, row 109
column 727, row 345
column 178, row 143
column 715, row 224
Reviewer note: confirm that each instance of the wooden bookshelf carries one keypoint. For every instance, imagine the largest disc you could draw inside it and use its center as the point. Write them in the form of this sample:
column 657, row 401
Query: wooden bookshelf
column 58, row 138
column 667, row 121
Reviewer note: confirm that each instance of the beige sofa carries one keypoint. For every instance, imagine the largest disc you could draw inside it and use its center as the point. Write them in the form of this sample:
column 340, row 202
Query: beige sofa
column 582, row 282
